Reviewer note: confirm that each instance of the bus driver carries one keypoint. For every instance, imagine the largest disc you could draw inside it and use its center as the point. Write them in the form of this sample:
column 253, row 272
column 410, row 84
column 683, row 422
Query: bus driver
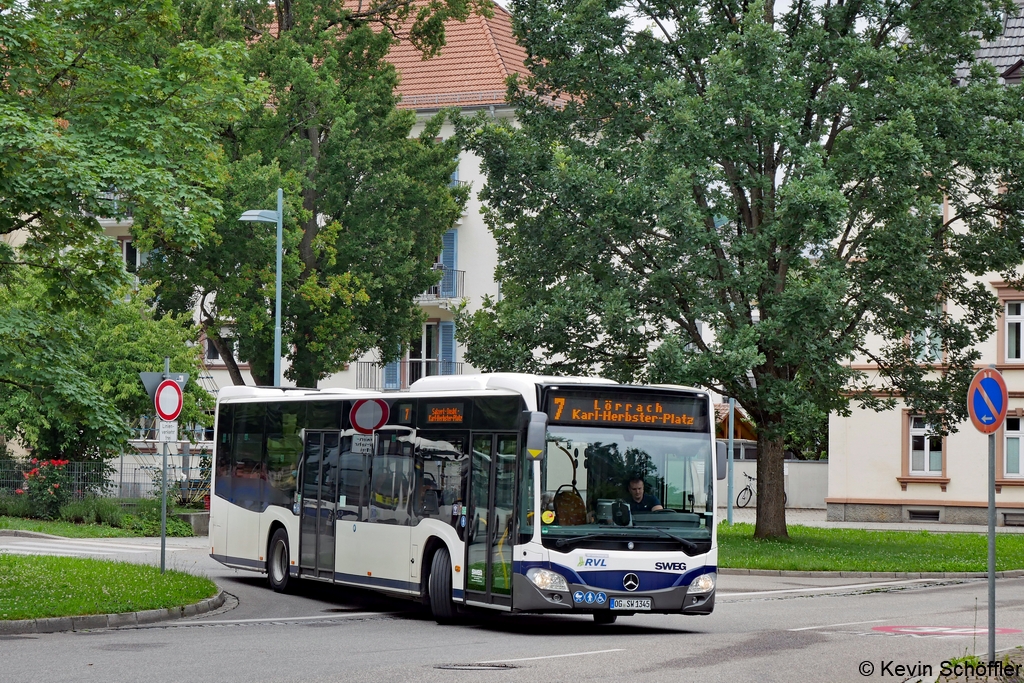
column 640, row 501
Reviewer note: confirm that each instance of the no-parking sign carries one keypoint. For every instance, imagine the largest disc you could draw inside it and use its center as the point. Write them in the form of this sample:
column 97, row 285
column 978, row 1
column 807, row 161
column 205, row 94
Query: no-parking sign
column 987, row 400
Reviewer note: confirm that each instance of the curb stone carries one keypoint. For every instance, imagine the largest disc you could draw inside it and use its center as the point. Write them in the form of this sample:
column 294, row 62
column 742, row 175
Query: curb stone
column 29, row 534
column 120, row 620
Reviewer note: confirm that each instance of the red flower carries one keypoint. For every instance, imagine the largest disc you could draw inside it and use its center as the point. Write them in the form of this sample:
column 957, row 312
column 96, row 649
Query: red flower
column 56, row 486
column 35, row 460
column 19, row 491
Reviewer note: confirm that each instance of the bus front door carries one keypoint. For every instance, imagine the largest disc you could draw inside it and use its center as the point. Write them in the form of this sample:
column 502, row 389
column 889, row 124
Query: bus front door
column 489, row 525
column 318, row 510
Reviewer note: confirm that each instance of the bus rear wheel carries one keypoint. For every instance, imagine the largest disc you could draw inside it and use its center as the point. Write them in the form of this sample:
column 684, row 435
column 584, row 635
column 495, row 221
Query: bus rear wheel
column 605, row 617
column 278, row 561
column 439, row 588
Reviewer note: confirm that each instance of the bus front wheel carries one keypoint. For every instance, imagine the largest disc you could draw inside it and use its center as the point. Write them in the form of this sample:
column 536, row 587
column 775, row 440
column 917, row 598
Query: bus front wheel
column 278, row 561
column 439, row 587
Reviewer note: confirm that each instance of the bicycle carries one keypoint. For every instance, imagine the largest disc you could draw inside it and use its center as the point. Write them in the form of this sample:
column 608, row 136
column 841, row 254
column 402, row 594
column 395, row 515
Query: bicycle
column 747, row 492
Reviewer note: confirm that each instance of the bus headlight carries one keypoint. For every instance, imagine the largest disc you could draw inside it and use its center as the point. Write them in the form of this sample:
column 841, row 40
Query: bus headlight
column 547, row 580
column 705, row 583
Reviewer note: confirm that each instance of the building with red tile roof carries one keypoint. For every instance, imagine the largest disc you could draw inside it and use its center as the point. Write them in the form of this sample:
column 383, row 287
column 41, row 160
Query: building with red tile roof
column 471, row 70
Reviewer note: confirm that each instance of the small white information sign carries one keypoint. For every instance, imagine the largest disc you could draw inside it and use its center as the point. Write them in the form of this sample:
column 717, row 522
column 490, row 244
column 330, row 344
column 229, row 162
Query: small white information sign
column 362, row 443
column 168, row 431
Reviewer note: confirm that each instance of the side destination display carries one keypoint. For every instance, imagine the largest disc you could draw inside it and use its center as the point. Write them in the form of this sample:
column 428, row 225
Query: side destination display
column 624, row 409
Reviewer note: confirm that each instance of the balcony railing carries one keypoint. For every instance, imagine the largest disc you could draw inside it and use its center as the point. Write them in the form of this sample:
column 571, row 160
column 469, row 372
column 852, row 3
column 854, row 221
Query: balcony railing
column 451, row 286
column 401, row 374
column 113, row 204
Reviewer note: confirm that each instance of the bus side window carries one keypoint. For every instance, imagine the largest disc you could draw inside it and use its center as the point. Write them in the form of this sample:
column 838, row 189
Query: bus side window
column 390, row 482
column 248, row 473
column 284, row 448
column 350, row 481
column 222, row 477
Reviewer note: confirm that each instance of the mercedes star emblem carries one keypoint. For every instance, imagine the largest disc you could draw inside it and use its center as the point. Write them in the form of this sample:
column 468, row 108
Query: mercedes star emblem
column 631, row 582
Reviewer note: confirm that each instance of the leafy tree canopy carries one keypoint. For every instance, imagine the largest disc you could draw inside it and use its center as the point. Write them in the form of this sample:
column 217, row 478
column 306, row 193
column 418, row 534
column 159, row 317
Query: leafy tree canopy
column 99, row 99
column 105, row 108
column 726, row 195
column 367, row 205
column 70, row 379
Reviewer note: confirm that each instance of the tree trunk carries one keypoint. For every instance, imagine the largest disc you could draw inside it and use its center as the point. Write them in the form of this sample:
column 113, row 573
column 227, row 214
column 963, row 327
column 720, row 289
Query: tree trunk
column 228, row 356
column 771, row 504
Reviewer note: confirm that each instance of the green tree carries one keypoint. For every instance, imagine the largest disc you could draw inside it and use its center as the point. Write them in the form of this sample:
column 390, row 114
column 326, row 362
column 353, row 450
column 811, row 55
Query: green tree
column 71, row 377
column 104, row 110
column 367, row 204
column 718, row 194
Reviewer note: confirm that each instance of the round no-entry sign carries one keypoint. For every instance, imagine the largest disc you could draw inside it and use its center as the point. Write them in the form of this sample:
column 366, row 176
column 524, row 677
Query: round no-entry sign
column 369, row 414
column 987, row 400
column 168, row 400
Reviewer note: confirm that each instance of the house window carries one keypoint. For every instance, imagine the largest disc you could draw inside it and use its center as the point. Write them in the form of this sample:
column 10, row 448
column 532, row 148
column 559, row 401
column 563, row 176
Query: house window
column 211, row 350
column 133, row 258
column 1014, row 318
column 925, row 448
column 1011, row 459
column 928, row 343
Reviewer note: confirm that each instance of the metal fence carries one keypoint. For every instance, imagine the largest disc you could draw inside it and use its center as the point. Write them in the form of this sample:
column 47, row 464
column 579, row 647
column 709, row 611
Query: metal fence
column 117, row 480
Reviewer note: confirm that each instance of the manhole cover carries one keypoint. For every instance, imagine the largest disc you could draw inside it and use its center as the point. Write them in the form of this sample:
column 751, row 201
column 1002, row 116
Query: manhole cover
column 475, row 667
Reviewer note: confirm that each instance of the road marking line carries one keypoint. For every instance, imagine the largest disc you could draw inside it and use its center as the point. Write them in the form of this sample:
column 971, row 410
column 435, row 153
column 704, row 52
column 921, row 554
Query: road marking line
column 571, row 654
column 828, row 588
column 60, row 553
column 320, row 617
column 100, row 544
column 72, row 548
column 848, row 623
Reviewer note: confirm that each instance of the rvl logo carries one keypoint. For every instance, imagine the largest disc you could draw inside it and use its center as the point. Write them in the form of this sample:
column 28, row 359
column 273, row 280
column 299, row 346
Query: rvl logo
column 670, row 566
column 593, row 562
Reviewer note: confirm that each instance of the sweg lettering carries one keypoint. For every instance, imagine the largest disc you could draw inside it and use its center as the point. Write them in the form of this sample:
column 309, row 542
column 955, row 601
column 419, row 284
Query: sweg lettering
column 670, row 566
column 592, row 562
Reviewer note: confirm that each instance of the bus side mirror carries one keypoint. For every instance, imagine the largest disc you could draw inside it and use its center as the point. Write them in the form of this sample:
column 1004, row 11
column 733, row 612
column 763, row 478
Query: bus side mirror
column 536, row 435
column 721, row 454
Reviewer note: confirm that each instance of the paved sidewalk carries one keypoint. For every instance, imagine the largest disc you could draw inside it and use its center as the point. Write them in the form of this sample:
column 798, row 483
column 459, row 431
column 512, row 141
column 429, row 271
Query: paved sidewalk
column 816, row 518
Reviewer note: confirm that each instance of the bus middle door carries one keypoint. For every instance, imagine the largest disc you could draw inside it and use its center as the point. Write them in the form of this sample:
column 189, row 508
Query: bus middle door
column 319, row 483
column 489, row 525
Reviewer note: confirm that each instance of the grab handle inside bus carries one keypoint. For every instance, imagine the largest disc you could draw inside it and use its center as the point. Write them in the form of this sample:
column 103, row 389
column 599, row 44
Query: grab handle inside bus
column 536, row 434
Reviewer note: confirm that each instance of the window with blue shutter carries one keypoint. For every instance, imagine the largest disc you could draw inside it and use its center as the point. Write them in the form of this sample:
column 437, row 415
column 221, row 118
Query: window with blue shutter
column 392, row 376
column 447, row 351
column 449, row 260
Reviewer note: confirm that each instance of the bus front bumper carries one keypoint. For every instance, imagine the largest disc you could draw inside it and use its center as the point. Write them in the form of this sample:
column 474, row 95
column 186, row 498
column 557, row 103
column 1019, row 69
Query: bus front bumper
column 582, row 599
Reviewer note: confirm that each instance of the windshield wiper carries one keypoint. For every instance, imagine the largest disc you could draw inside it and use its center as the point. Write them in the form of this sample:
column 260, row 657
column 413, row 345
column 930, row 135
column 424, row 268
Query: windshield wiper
column 586, row 537
column 685, row 542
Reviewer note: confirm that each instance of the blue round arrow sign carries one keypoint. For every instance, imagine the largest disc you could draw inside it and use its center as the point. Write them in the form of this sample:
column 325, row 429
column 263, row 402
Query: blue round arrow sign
column 987, row 401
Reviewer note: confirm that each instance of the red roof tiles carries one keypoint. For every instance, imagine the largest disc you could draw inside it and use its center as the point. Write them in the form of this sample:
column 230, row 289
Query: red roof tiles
column 471, row 69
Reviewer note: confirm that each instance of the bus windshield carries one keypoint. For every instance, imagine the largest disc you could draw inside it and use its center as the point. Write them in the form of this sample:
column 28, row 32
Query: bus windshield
column 602, row 486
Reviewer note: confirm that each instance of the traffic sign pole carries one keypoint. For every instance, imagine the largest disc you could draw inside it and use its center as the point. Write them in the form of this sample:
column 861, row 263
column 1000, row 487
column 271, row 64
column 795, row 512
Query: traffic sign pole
column 166, row 391
column 987, row 401
column 991, row 547
column 163, row 484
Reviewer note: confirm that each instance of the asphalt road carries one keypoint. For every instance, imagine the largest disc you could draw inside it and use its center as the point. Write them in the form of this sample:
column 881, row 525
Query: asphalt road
column 763, row 629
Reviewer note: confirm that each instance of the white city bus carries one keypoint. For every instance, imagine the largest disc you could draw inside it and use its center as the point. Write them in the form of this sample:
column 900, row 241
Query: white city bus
column 503, row 491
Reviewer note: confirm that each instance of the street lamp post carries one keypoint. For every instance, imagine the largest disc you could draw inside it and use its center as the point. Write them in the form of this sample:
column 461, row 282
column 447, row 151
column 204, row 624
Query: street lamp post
column 259, row 216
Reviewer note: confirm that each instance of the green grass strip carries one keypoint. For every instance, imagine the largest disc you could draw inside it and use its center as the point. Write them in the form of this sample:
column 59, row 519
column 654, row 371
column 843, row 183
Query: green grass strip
column 35, row 587
column 816, row 549
column 67, row 529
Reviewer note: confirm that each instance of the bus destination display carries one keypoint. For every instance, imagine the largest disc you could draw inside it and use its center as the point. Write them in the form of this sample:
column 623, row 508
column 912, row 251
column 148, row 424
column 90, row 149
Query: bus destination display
column 622, row 410
column 444, row 413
